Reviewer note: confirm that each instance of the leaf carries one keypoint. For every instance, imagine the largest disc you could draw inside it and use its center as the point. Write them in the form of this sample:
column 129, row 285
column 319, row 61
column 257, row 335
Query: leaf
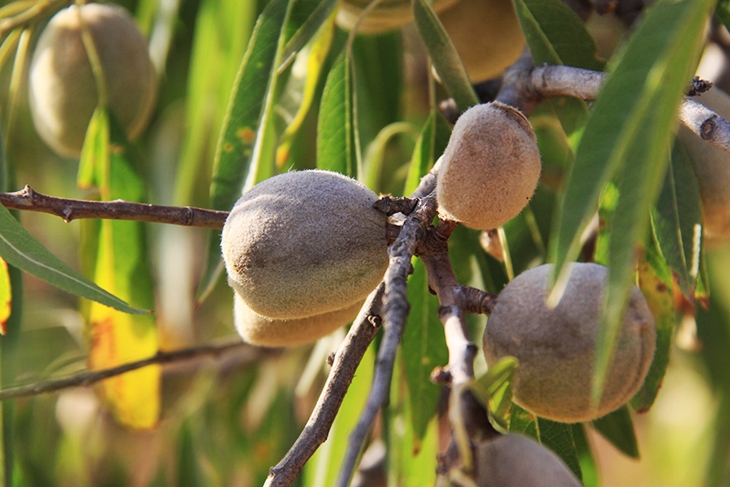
column 677, row 221
column 632, row 120
column 556, row 35
column 556, row 436
column 307, row 30
column 222, row 28
column 424, row 347
column 722, row 9
column 122, row 266
column 410, row 459
column 335, row 142
column 324, row 466
column 301, row 88
column 655, row 282
column 494, row 389
column 375, row 154
column 618, row 428
column 585, row 456
column 244, row 136
column 21, row 250
column 5, row 296
column 443, row 55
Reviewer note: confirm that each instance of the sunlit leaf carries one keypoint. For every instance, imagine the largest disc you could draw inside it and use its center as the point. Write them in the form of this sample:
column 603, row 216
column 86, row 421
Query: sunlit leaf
column 632, row 120
column 335, row 144
column 494, row 389
column 5, row 296
column 301, row 88
column 443, row 55
column 618, row 428
column 121, row 265
column 222, row 29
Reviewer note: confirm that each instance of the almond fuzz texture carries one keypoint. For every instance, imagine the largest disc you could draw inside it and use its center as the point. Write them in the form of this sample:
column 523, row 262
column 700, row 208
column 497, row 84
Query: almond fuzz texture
column 556, row 347
column 514, row 460
column 63, row 92
column 490, row 167
column 267, row 332
column 305, row 243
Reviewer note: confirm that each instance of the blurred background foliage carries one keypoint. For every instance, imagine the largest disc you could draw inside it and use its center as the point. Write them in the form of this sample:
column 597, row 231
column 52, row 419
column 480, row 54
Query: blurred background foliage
column 226, row 421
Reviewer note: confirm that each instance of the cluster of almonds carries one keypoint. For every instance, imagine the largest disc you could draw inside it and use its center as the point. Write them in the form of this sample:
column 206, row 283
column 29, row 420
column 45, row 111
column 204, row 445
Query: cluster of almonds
column 304, row 249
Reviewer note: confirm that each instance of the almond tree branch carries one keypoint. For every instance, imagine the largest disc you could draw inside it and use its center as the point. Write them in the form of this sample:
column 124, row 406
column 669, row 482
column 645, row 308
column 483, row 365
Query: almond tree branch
column 550, row 81
column 345, row 364
column 90, row 377
column 70, row 209
column 396, row 308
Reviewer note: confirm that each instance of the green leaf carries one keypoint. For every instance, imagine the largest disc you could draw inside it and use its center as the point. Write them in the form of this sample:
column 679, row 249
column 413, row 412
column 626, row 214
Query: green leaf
column 722, row 9
column 122, row 265
column 245, row 147
column 410, row 458
column 585, row 456
column 655, row 282
column 618, row 428
column 632, row 120
column 424, row 347
column 307, row 30
column 335, row 143
column 423, row 155
column 494, row 389
column 301, row 88
column 556, row 436
column 556, row 35
column 444, row 56
column 21, row 250
column 222, row 28
column 324, row 466
column 677, row 220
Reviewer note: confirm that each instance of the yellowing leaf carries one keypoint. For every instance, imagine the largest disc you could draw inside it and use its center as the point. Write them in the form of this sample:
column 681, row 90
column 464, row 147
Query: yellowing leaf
column 5, row 295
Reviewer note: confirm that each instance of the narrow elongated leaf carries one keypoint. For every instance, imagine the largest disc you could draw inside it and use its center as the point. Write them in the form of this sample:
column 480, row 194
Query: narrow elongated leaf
column 656, row 283
column 443, row 55
column 494, row 389
column 6, row 300
column 424, row 347
column 240, row 153
column 410, row 459
column 722, row 9
column 335, row 142
column 556, row 35
column 122, row 266
column 618, row 428
column 308, row 30
column 677, row 221
column 324, row 466
column 222, row 29
column 301, row 88
column 556, row 436
column 21, row 250
column 632, row 120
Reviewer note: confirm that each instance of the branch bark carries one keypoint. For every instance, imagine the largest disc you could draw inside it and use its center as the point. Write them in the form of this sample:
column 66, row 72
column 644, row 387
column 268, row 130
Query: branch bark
column 88, row 378
column 70, row 209
column 345, row 364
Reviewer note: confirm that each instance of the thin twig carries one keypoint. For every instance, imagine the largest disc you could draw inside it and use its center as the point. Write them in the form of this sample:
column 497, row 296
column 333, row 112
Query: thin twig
column 346, row 361
column 551, row 81
column 90, row 377
column 396, row 308
column 70, row 209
